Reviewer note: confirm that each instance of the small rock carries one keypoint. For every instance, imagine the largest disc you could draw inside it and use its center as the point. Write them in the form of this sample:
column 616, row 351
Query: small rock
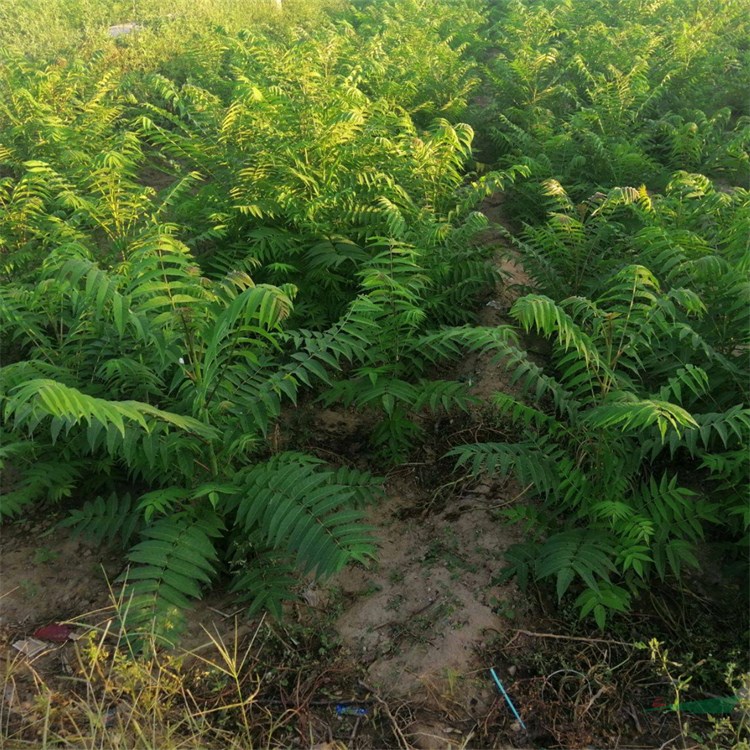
column 515, row 727
column 512, row 669
column 482, row 489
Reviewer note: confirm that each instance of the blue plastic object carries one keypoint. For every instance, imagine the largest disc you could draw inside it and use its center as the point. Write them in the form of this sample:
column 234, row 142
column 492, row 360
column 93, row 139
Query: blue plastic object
column 507, row 698
column 344, row 709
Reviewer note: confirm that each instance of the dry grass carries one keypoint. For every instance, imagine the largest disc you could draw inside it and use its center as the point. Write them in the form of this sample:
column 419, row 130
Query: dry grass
column 95, row 692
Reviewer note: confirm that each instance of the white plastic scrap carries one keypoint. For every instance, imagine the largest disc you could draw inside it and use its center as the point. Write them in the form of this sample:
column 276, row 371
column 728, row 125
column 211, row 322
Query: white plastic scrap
column 30, row 646
column 121, row 29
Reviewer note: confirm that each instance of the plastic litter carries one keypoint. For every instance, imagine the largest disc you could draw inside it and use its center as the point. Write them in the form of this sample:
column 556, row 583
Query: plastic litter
column 507, row 698
column 54, row 633
column 346, row 709
column 30, row 646
column 121, row 29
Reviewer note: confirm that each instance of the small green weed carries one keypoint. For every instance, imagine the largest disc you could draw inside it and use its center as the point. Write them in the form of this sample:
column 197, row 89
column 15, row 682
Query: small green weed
column 43, row 555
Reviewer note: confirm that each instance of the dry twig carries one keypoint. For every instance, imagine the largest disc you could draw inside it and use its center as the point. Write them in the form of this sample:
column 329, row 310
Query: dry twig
column 566, row 638
column 402, row 741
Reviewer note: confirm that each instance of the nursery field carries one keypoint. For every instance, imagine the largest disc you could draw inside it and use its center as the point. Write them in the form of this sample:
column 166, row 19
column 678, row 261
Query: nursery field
column 374, row 374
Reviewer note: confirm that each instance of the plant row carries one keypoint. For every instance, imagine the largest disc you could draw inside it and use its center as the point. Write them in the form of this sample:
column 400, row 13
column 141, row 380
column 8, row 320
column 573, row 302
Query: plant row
column 201, row 226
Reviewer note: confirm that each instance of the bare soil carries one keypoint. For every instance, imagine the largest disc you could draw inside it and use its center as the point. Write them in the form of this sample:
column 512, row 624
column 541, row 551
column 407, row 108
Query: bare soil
column 412, row 627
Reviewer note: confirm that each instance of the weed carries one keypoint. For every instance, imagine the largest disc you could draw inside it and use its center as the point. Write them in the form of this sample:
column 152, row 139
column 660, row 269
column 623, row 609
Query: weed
column 30, row 589
column 43, row 555
column 247, row 685
column 445, row 550
column 371, row 588
column 396, row 576
column 503, row 608
column 395, row 602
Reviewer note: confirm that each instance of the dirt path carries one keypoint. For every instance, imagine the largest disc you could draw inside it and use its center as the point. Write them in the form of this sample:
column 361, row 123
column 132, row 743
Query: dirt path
column 419, row 620
column 422, row 618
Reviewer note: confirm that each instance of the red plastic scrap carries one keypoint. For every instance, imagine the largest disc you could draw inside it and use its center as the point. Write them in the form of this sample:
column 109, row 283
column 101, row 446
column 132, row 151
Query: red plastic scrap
column 54, row 633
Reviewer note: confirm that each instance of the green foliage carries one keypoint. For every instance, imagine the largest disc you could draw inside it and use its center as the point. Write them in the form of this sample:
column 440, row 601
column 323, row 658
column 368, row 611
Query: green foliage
column 284, row 171
column 196, row 230
column 607, row 435
column 107, row 521
column 294, row 506
column 694, row 240
column 211, row 354
column 193, row 234
column 175, row 557
column 415, row 56
column 45, row 29
column 602, row 94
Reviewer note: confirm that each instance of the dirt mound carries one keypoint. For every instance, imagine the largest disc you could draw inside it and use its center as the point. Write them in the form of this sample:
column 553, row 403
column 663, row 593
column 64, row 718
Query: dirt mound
column 416, row 620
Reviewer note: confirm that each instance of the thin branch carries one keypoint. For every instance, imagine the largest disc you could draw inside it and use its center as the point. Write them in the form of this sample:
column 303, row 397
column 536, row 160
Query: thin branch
column 566, row 638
